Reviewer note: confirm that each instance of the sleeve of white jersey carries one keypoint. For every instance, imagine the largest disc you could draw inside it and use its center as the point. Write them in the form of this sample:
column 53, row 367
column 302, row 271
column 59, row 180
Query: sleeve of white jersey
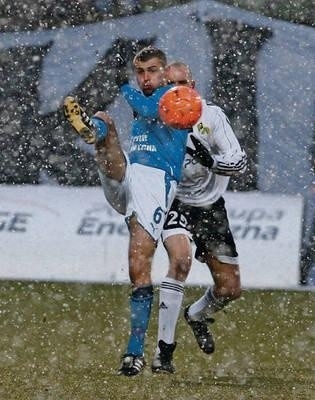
column 229, row 158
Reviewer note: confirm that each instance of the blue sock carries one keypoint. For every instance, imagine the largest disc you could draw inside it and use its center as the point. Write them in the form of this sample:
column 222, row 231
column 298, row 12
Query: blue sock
column 101, row 128
column 140, row 308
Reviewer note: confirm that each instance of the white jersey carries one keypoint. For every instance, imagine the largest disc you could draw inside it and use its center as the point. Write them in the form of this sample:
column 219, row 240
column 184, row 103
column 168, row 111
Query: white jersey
column 200, row 186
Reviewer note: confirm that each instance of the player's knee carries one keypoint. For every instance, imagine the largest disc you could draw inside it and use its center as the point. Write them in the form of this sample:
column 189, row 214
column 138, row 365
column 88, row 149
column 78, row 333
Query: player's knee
column 179, row 267
column 235, row 289
column 235, row 293
column 229, row 291
column 139, row 271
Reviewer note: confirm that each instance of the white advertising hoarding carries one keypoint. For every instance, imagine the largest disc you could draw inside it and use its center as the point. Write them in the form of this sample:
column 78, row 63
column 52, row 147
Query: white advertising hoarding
column 72, row 234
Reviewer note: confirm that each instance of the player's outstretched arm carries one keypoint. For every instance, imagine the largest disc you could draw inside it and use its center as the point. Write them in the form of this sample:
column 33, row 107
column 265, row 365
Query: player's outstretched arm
column 146, row 106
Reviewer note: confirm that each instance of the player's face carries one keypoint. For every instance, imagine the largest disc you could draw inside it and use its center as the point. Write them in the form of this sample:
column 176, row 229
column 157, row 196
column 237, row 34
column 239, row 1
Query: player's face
column 179, row 75
column 150, row 75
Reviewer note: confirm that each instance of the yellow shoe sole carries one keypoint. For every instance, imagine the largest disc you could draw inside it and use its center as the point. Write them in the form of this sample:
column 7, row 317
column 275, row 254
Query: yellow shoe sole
column 74, row 114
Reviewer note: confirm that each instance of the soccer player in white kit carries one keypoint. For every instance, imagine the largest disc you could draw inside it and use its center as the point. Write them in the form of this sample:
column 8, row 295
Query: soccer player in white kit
column 213, row 155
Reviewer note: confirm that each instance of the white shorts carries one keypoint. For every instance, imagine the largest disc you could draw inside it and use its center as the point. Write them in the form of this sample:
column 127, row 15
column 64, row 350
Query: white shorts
column 145, row 192
column 150, row 194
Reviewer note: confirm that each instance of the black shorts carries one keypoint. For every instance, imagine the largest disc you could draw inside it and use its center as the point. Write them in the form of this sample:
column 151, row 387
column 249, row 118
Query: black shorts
column 209, row 227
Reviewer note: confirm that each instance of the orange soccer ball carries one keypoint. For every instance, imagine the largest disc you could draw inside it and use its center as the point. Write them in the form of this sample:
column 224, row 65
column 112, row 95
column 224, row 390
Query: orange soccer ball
column 180, row 107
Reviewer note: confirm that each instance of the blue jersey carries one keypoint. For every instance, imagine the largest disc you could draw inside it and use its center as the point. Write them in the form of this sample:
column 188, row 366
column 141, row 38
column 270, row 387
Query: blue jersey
column 153, row 143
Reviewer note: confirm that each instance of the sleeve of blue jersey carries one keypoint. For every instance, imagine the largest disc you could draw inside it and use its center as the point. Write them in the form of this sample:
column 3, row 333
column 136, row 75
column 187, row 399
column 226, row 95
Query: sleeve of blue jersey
column 146, row 106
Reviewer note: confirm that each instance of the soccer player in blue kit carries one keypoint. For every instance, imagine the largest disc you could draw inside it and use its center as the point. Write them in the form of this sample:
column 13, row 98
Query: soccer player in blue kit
column 141, row 184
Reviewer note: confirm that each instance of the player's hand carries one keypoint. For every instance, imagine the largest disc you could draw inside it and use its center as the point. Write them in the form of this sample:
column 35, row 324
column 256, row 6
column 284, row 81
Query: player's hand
column 200, row 153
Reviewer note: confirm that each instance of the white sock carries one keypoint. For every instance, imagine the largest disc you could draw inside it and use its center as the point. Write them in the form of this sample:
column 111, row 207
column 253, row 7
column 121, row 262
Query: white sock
column 207, row 305
column 171, row 297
